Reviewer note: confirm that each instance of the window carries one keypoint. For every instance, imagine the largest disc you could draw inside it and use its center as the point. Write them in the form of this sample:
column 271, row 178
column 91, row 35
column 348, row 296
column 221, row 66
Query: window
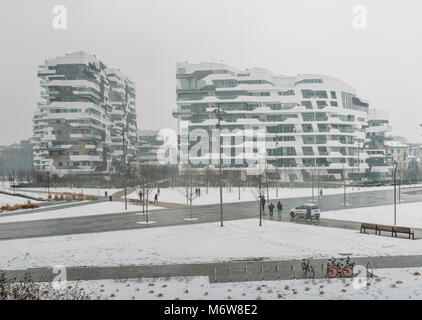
column 333, row 95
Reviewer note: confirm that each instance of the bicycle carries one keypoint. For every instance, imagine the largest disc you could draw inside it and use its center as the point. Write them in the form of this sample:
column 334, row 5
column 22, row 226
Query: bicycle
column 307, row 269
column 336, row 267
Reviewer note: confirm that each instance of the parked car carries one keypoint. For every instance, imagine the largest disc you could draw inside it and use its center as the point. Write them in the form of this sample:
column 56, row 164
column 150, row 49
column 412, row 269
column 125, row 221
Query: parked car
column 301, row 210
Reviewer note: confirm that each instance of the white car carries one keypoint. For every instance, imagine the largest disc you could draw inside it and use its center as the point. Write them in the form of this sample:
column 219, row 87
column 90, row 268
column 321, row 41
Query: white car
column 301, row 210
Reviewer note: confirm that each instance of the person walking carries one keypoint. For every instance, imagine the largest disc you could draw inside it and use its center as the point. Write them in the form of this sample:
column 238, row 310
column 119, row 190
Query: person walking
column 271, row 209
column 263, row 204
column 158, row 191
column 308, row 214
column 280, row 210
column 156, row 199
column 320, row 193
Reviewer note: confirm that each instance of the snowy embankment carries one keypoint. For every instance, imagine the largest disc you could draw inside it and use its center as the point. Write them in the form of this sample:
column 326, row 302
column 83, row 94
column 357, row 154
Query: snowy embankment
column 12, row 200
column 208, row 242
column 407, row 215
column 389, row 284
column 230, row 195
column 78, row 211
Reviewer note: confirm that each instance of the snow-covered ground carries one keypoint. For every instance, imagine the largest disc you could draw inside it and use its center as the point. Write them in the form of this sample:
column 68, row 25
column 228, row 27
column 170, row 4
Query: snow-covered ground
column 42, row 191
column 208, row 242
column 176, row 195
column 78, row 211
column 407, row 214
column 12, row 200
column 389, row 284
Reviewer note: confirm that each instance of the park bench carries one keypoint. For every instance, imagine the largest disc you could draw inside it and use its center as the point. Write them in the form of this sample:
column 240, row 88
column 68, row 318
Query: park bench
column 380, row 227
column 404, row 230
column 368, row 226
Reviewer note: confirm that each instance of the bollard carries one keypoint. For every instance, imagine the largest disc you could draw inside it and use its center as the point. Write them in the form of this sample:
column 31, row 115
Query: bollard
column 277, row 272
column 262, row 272
column 215, row 275
column 246, row 273
column 110, row 198
column 230, row 274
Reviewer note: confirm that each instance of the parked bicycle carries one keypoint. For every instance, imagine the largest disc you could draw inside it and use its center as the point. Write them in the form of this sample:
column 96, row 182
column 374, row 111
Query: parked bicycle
column 308, row 270
column 340, row 266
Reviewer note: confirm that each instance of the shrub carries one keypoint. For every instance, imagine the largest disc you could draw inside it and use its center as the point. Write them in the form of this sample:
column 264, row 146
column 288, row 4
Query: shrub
column 49, row 197
column 68, row 198
column 80, row 197
column 27, row 289
column 61, row 197
column 56, row 197
column 40, row 199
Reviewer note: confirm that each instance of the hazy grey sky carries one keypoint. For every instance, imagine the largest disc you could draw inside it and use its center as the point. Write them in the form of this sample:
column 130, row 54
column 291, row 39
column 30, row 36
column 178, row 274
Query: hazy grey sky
column 145, row 38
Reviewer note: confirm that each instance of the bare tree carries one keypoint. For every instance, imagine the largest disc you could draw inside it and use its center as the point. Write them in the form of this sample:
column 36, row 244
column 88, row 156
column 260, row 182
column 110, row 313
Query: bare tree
column 188, row 178
column 147, row 183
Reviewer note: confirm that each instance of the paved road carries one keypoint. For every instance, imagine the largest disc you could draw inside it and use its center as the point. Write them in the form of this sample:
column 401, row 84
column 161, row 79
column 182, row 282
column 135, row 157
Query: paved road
column 206, row 213
column 235, row 271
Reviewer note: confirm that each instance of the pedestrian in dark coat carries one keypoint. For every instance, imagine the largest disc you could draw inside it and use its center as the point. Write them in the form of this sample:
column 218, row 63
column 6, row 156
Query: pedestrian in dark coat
column 280, row 210
column 271, row 209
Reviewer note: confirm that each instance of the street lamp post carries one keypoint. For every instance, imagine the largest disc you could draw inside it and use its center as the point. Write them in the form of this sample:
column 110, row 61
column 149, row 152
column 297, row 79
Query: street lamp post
column 219, row 164
column 358, row 165
column 276, row 164
column 124, row 164
column 344, row 185
column 395, row 200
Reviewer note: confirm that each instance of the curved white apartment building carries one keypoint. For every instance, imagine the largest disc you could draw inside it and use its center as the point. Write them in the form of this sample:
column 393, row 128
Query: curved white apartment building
column 313, row 124
column 77, row 128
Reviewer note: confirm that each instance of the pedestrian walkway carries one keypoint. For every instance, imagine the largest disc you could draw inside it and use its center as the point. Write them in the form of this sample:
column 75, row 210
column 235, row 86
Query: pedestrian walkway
column 231, row 271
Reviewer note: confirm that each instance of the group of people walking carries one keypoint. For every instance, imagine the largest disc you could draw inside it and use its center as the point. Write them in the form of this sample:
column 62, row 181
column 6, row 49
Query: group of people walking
column 198, row 192
column 271, row 208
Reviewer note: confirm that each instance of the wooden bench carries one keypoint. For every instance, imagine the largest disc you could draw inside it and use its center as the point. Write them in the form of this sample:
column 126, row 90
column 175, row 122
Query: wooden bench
column 368, row 226
column 380, row 227
column 404, row 230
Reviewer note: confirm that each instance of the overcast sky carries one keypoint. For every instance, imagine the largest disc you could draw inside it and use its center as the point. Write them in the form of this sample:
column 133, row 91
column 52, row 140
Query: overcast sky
column 145, row 38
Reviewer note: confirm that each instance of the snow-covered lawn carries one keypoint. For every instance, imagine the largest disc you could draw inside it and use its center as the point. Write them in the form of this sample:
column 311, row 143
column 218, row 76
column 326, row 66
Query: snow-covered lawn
column 407, row 214
column 79, row 211
column 197, row 243
column 176, row 195
column 86, row 191
column 390, row 284
column 12, row 200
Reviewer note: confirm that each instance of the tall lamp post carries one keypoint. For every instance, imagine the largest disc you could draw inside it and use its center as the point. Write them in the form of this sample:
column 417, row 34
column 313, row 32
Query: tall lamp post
column 395, row 200
column 219, row 163
column 276, row 164
column 124, row 163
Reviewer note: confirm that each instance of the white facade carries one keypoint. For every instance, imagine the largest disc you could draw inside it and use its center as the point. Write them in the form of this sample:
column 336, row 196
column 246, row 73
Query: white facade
column 311, row 122
column 74, row 123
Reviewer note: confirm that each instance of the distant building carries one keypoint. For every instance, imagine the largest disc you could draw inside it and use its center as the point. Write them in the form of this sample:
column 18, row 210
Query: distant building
column 400, row 153
column 312, row 123
column 16, row 159
column 149, row 142
column 378, row 159
column 78, row 127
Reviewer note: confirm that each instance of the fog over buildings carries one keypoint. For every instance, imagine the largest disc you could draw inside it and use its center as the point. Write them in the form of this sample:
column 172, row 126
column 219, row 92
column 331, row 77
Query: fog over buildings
column 146, row 38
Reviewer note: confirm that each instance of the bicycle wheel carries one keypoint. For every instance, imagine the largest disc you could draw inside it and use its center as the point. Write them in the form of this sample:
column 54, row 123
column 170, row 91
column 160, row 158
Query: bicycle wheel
column 332, row 272
column 304, row 267
column 292, row 271
column 347, row 271
column 311, row 272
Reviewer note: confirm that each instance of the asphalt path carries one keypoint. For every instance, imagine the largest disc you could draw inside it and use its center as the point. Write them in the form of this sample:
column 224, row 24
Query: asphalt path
column 203, row 214
column 233, row 271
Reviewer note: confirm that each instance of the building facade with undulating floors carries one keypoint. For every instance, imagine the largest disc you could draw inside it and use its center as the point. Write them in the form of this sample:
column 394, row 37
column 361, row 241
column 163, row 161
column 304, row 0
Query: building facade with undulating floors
column 76, row 120
column 378, row 131
column 310, row 124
